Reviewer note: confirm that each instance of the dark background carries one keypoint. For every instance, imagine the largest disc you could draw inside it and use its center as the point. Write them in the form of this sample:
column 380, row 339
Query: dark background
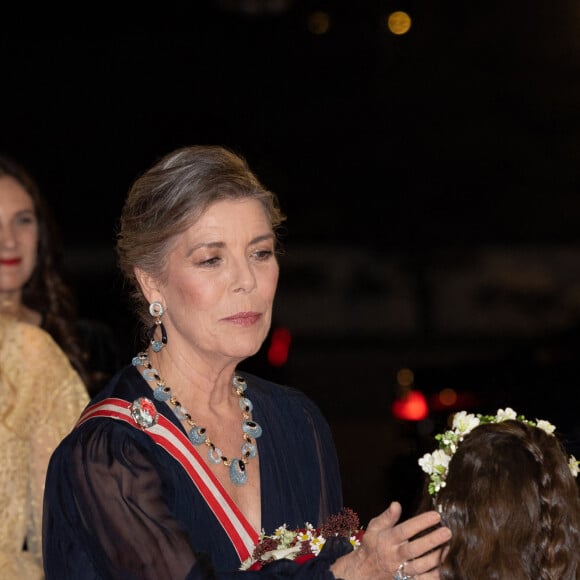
column 426, row 148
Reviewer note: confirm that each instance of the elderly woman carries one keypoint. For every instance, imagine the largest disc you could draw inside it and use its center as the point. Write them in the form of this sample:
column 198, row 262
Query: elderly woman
column 182, row 460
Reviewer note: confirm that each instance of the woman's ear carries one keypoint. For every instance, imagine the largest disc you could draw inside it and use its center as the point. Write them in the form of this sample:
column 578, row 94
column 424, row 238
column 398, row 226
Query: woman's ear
column 148, row 285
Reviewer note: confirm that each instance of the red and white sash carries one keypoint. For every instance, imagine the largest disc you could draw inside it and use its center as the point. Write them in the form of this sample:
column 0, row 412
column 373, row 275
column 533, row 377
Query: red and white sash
column 176, row 443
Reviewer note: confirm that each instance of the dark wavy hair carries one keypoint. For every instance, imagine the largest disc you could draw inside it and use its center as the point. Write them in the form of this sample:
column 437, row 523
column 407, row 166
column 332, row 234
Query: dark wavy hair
column 46, row 291
column 512, row 505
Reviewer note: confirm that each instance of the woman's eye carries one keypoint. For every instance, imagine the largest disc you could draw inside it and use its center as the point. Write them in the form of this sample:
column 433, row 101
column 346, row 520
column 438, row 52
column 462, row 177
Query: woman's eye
column 25, row 219
column 209, row 261
column 263, row 254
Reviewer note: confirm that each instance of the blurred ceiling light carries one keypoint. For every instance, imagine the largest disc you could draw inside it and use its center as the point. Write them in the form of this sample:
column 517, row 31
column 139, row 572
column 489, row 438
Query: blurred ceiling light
column 399, row 22
column 279, row 347
column 447, row 397
column 405, row 377
column 411, row 407
column 318, row 22
column 449, row 400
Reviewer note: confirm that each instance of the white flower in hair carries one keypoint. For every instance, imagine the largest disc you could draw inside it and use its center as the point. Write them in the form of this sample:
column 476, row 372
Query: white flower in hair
column 464, row 422
column 449, row 441
column 505, row 415
column 574, row 464
column 426, row 463
column 438, row 461
column 546, row 426
column 441, row 460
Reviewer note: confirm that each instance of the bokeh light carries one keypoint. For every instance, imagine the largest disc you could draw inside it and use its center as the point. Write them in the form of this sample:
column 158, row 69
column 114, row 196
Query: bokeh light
column 399, row 22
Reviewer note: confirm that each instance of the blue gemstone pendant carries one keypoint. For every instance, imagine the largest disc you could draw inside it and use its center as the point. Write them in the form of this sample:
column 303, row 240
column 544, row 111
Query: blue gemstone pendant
column 252, row 429
column 238, row 473
column 162, row 393
column 249, row 450
column 197, row 435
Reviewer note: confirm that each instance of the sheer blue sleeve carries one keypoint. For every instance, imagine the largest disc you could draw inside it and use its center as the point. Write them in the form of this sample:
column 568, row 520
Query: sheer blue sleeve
column 114, row 502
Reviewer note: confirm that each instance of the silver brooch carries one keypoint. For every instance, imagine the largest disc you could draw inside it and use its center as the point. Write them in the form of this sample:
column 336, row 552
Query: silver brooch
column 144, row 412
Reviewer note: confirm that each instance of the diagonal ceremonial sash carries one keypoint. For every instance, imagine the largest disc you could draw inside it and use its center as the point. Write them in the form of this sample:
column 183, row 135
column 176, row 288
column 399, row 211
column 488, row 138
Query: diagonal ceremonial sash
column 175, row 442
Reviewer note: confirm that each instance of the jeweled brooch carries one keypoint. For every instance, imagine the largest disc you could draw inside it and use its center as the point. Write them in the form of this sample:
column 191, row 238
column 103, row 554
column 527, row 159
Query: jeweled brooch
column 144, row 412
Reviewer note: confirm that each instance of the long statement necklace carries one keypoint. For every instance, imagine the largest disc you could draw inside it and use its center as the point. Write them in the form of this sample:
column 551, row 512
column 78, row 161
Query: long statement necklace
column 197, row 434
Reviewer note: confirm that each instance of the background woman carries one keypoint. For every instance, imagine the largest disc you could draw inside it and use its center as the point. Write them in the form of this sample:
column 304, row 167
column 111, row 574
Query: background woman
column 32, row 286
column 41, row 397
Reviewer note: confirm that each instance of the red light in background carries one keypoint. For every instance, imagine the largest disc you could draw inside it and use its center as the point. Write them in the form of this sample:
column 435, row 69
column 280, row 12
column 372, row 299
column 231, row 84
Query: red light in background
column 279, row 347
column 411, row 407
column 450, row 400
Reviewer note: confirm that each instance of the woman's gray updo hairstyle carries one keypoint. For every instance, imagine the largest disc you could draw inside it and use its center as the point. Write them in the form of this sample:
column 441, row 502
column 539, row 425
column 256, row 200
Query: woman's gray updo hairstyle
column 172, row 195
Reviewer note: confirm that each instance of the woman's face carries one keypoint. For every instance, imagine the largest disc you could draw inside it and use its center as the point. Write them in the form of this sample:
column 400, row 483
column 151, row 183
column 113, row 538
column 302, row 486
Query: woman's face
column 221, row 278
column 18, row 236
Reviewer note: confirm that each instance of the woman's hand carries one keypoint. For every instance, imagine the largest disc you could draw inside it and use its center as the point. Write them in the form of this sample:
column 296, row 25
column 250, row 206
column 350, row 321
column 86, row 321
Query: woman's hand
column 386, row 546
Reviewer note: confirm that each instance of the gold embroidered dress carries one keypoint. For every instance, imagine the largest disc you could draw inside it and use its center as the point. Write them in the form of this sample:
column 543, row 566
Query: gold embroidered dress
column 41, row 397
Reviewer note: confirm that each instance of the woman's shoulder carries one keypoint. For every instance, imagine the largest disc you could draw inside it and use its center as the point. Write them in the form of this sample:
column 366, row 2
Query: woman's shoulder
column 31, row 341
column 268, row 387
column 103, row 440
column 126, row 383
column 282, row 396
column 39, row 376
column 122, row 389
column 30, row 351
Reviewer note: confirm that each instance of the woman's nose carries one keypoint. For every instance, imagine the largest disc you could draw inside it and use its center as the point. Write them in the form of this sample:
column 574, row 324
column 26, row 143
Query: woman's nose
column 245, row 280
column 8, row 238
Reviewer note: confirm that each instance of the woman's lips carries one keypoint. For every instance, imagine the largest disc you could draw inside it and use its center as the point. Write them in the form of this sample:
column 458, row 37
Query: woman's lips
column 244, row 318
column 10, row 261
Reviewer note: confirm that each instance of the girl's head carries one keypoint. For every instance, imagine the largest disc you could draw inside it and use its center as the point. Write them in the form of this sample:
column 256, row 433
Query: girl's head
column 509, row 495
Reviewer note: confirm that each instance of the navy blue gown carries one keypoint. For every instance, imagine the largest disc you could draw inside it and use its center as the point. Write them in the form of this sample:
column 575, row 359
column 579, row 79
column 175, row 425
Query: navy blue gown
column 118, row 506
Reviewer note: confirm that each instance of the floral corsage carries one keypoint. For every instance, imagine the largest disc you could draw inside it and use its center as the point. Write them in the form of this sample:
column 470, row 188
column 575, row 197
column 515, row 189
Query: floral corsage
column 304, row 543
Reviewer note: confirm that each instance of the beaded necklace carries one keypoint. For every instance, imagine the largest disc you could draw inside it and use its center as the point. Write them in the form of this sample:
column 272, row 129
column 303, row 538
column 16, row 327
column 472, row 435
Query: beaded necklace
column 197, row 434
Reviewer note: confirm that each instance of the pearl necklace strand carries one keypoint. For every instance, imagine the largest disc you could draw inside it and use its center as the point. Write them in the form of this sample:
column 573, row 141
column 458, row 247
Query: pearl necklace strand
column 197, row 434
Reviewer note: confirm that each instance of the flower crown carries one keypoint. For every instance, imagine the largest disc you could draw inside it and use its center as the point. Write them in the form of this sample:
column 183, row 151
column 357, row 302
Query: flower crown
column 436, row 464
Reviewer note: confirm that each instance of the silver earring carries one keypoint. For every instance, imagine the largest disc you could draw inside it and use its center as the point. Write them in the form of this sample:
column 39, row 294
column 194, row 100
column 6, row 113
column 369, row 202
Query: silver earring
column 156, row 310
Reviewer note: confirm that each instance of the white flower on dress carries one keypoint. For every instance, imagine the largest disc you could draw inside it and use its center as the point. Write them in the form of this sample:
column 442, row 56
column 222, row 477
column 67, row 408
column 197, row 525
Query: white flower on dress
column 304, row 543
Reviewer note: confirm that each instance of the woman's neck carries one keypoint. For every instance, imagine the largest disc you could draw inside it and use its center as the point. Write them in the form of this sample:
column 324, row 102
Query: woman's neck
column 10, row 303
column 198, row 381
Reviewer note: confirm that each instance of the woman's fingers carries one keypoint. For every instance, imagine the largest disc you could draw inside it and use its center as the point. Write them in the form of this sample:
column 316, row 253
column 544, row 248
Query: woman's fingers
column 390, row 516
column 424, row 564
column 417, row 524
column 424, row 554
column 418, row 542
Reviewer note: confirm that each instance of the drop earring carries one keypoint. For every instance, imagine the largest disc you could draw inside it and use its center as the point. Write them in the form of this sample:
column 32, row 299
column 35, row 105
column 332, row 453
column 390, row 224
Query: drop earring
column 156, row 310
